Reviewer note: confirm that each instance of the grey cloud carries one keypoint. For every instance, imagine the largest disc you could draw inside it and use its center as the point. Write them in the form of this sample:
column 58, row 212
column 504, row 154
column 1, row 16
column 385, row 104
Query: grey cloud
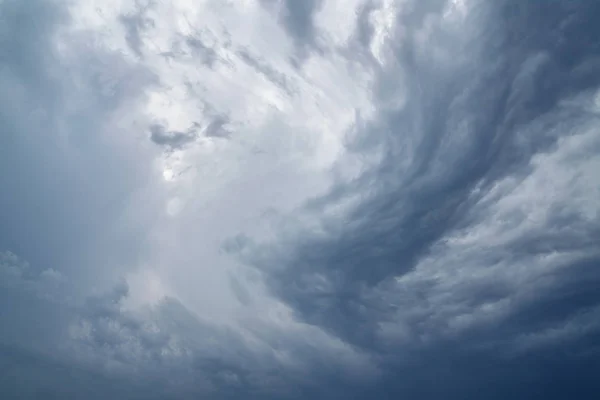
column 358, row 46
column 62, row 210
column 297, row 18
column 432, row 196
column 171, row 139
column 20, row 73
column 29, row 375
column 465, row 128
column 279, row 79
column 216, row 128
column 170, row 347
column 55, row 180
column 206, row 54
column 97, row 348
column 437, row 277
column 135, row 26
column 195, row 49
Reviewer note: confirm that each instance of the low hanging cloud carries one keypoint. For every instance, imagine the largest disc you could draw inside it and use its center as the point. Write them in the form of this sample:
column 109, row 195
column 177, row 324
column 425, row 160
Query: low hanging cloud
column 188, row 212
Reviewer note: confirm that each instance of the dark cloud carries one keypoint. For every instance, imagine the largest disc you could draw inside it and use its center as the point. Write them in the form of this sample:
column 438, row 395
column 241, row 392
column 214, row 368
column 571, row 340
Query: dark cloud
column 297, row 18
column 277, row 78
column 171, row 139
column 216, row 128
column 29, row 375
column 57, row 200
column 26, row 44
column 201, row 51
column 467, row 268
column 135, row 26
column 97, row 346
column 171, row 349
column 415, row 206
column 466, row 128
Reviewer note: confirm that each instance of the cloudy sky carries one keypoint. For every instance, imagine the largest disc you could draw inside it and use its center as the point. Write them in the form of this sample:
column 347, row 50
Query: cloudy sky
column 291, row 199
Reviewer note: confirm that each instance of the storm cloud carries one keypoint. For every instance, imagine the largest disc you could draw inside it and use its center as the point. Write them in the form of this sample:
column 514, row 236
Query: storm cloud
column 412, row 211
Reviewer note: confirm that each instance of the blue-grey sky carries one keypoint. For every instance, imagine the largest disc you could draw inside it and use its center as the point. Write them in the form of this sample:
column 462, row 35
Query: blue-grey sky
column 278, row 199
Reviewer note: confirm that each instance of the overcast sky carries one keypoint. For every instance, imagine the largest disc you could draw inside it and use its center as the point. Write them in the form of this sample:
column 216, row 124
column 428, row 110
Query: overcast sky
column 292, row 199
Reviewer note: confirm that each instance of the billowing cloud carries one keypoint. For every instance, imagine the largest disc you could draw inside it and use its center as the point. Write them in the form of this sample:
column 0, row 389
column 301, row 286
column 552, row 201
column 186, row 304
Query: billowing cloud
column 189, row 212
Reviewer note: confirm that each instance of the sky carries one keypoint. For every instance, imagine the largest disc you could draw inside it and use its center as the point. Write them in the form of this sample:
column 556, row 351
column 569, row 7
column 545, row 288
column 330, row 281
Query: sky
column 292, row 199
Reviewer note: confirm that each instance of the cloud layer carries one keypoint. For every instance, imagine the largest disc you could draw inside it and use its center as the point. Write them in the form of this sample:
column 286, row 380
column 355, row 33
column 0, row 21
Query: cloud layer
column 283, row 199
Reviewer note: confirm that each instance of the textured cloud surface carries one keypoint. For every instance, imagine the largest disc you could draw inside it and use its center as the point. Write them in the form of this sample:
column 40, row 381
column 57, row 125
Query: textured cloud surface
column 277, row 199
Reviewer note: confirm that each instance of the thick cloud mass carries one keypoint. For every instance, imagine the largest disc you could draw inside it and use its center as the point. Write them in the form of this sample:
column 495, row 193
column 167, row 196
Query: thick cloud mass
column 319, row 199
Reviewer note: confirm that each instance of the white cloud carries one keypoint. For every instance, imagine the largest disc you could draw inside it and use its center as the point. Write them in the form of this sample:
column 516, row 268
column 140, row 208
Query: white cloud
column 283, row 139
